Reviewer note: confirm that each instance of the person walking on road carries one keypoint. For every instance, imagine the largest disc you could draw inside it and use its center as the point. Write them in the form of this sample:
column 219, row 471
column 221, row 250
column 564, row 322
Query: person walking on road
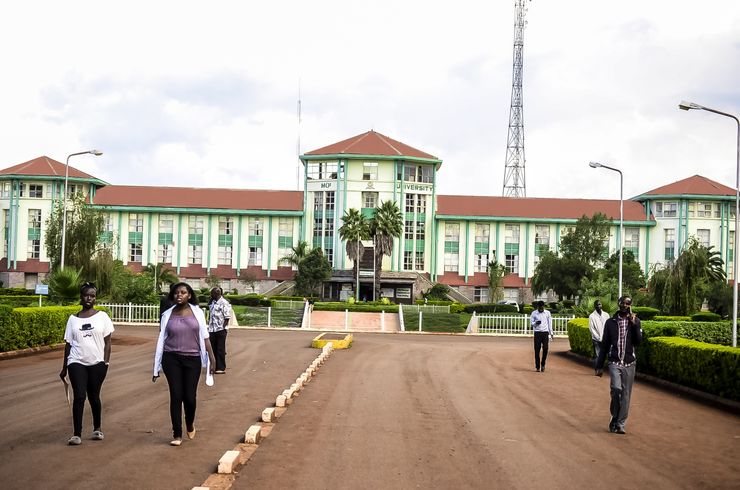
column 622, row 333
column 596, row 322
column 183, row 348
column 220, row 314
column 541, row 321
column 86, row 357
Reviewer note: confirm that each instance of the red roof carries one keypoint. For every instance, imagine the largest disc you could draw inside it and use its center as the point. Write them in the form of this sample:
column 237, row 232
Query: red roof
column 44, row 167
column 694, row 185
column 529, row 207
column 372, row 143
column 191, row 197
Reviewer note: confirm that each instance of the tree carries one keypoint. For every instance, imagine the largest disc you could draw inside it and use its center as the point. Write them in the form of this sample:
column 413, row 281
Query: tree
column 64, row 285
column 84, row 226
column 633, row 278
column 248, row 278
column 213, row 280
column 313, row 270
column 676, row 286
column 354, row 229
column 129, row 286
column 298, row 253
column 160, row 274
column 387, row 224
column 561, row 274
column 586, row 242
column 496, row 273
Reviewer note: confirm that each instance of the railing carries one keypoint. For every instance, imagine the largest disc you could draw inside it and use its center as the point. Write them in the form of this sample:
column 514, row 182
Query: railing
column 427, row 308
column 131, row 313
column 289, row 304
column 515, row 324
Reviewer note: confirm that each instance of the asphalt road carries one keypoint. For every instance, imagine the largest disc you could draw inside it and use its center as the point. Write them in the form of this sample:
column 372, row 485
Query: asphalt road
column 394, row 411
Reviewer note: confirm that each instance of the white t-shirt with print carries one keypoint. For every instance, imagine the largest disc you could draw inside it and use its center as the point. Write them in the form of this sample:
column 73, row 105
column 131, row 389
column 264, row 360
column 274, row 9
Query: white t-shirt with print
column 87, row 336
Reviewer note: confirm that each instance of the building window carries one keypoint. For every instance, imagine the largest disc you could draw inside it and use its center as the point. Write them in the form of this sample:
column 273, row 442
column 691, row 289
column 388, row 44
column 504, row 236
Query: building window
column 285, row 238
column 417, row 173
column 632, row 240
column 5, row 190
column 225, row 225
column 410, row 203
column 34, row 233
column 330, row 200
column 6, row 229
column 224, row 255
column 35, row 190
column 420, row 230
column 480, row 294
column 703, row 236
column 481, row 262
column 731, row 256
column 164, row 253
column 421, row 203
column 321, row 171
column 135, row 223
column 666, row 209
column 670, row 243
column 318, row 201
column 369, row 200
column 452, row 247
column 73, row 189
column 408, row 260
column 370, row 171
column 511, row 248
column 195, row 254
column 419, row 261
column 255, row 227
column 408, row 230
column 703, row 210
column 134, row 252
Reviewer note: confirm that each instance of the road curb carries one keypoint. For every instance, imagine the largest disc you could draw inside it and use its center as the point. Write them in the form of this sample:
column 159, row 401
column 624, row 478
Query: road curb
column 12, row 354
column 233, row 459
column 708, row 398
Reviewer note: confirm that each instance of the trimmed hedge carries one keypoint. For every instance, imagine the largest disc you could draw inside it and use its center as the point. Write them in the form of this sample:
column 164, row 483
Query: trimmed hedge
column 699, row 365
column 667, row 353
column 16, row 292
column 435, row 302
column 293, row 298
column 19, row 301
column 705, row 316
column 666, row 318
column 367, row 307
column 247, row 299
column 645, row 312
column 21, row 328
column 490, row 308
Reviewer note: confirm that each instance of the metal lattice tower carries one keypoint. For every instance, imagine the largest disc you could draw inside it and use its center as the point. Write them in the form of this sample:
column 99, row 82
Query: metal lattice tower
column 514, row 176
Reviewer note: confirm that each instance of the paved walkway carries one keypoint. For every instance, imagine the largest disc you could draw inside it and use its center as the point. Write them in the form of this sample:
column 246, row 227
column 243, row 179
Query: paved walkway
column 355, row 321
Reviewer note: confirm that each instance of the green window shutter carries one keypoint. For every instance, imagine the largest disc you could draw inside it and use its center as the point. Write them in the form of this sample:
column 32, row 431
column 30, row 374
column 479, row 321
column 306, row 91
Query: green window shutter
column 256, row 241
column 511, row 249
column 368, row 213
column 419, row 245
column 452, row 247
column 540, row 249
column 136, row 237
column 421, row 216
column 316, row 242
column 165, row 238
column 106, row 237
column 194, row 239
column 669, row 253
column 408, row 245
column 34, row 234
column 481, row 248
column 409, row 216
column 225, row 240
column 328, row 243
column 731, row 255
column 285, row 242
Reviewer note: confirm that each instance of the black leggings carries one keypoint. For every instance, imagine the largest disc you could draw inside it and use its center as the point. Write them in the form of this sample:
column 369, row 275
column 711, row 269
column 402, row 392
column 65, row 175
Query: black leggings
column 183, row 373
column 86, row 381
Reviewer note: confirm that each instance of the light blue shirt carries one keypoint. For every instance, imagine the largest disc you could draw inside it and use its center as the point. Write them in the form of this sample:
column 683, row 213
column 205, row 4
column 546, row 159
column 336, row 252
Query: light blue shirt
column 545, row 318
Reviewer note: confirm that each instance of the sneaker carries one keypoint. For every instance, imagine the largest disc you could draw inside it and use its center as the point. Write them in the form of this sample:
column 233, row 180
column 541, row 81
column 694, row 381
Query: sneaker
column 176, row 441
column 74, row 441
column 97, row 435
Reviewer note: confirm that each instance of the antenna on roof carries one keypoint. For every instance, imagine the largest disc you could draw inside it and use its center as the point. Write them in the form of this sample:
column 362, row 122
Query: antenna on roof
column 298, row 143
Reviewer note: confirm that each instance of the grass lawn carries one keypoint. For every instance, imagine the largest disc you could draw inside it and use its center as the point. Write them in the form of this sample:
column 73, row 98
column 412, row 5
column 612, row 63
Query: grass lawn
column 253, row 316
column 437, row 322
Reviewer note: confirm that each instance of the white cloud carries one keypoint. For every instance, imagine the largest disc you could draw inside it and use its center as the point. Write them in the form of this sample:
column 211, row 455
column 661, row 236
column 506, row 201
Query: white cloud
column 188, row 93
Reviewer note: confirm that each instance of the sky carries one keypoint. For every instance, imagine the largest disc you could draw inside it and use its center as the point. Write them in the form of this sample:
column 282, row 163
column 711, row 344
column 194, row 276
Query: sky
column 205, row 94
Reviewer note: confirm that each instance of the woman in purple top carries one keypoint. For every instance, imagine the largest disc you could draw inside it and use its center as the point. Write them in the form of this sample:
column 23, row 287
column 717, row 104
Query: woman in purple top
column 182, row 349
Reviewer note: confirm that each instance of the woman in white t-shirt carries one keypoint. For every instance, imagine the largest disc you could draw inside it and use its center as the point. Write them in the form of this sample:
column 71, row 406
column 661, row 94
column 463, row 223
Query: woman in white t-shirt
column 86, row 357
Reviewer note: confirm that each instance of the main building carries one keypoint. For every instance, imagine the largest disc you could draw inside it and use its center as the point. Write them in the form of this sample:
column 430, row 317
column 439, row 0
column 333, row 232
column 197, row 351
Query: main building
column 447, row 239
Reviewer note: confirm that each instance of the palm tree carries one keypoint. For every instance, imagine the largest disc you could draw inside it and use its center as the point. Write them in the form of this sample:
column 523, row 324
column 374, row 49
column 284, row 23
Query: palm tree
column 386, row 225
column 298, row 253
column 161, row 274
column 64, row 285
column 354, row 229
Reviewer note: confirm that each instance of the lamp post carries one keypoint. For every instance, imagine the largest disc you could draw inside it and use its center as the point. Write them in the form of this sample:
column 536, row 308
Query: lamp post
column 686, row 106
column 357, row 285
column 621, row 214
column 64, row 198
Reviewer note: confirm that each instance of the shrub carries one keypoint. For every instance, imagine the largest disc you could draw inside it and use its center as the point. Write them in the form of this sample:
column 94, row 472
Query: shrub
column 21, row 328
column 666, row 318
column 490, row 308
column 707, row 367
column 527, row 309
column 16, row 292
column 719, row 333
column 645, row 312
column 435, row 302
column 579, row 337
column 368, row 307
column 246, row 299
column 705, row 316
column 19, row 301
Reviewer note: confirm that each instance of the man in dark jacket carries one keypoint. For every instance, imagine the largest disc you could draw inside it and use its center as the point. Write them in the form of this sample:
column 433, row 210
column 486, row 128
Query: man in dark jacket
column 621, row 333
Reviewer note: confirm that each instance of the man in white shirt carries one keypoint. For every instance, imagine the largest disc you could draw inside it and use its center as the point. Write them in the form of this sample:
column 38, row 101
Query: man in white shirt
column 541, row 322
column 596, row 322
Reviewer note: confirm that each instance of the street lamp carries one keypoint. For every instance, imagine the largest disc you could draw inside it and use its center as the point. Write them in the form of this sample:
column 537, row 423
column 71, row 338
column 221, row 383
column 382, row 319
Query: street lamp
column 686, row 106
column 621, row 214
column 64, row 197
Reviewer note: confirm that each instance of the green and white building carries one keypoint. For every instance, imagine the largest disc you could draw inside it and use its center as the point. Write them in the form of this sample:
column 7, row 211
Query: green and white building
column 448, row 239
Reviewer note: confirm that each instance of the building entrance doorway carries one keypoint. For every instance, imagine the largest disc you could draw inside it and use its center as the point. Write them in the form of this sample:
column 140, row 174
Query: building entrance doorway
column 366, row 292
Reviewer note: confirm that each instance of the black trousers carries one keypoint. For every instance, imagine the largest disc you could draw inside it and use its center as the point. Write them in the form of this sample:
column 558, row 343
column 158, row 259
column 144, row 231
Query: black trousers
column 541, row 342
column 183, row 373
column 86, row 381
column 218, row 343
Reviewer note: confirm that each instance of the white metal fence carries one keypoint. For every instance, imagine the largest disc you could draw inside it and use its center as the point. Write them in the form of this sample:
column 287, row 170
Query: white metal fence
column 131, row 313
column 513, row 324
column 289, row 304
column 426, row 309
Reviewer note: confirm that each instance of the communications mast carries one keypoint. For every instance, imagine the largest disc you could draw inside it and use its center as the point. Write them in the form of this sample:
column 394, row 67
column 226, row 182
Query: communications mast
column 514, row 176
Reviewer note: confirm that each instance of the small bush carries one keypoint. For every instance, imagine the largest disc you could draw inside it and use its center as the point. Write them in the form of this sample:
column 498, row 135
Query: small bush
column 490, row 308
column 645, row 312
column 705, row 316
column 666, row 318
column 21, row 328
column 247, row 299
column 367, row 307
